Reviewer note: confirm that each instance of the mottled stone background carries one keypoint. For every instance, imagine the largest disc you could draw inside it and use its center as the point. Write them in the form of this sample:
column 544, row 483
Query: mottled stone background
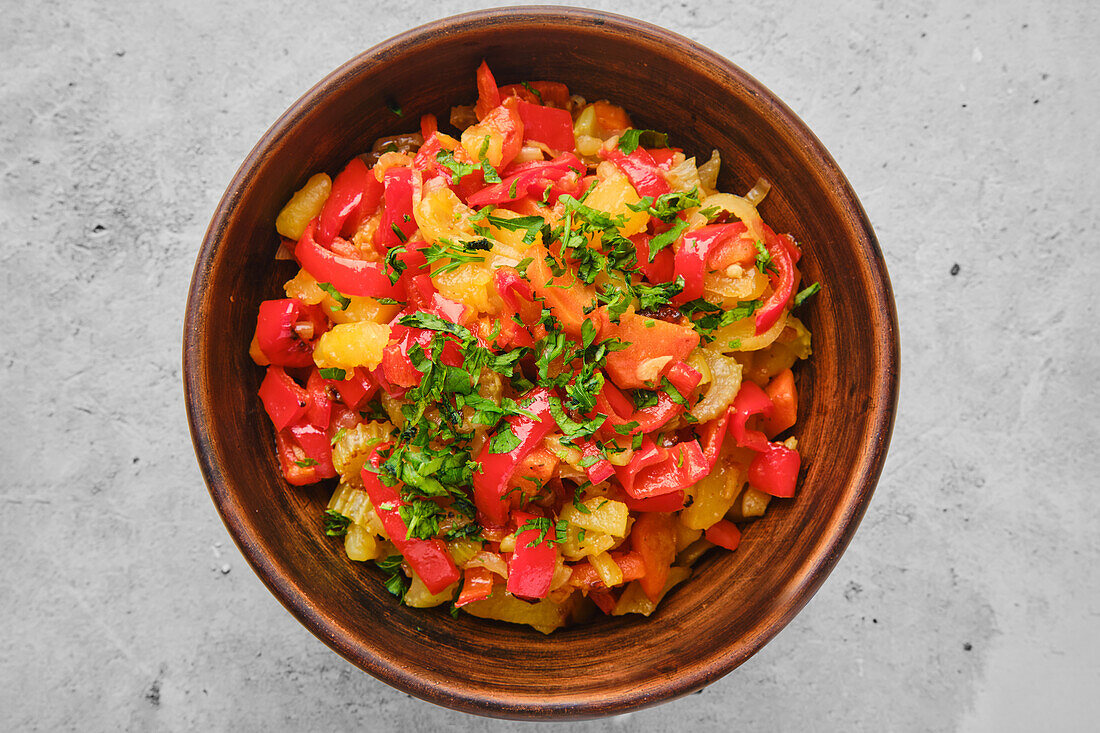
column 969, row 599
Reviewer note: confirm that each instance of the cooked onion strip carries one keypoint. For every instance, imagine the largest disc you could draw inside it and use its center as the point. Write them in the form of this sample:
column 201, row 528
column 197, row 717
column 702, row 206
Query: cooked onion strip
column 741, row 208
column 725, row 381
column 757, row 193
column 742, row 334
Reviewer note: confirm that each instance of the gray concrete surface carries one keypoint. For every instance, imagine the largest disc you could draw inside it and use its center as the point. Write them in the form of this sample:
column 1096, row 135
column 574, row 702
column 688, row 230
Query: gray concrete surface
column 970, row 598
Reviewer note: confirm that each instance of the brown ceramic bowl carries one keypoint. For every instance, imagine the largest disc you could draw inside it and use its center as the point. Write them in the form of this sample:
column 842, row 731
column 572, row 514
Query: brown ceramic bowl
column 735, row 602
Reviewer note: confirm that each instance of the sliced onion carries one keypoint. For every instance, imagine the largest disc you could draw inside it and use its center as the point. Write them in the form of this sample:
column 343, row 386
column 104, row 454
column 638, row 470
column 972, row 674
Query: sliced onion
column 491, row 561
column 757, row 193
column 683, row 176
column 708, row 173
column 743, row 333
column 725, row 381
column 739, row 207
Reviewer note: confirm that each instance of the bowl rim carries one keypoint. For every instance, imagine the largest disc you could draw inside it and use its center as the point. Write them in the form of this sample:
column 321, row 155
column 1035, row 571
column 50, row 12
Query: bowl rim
column 801, row 586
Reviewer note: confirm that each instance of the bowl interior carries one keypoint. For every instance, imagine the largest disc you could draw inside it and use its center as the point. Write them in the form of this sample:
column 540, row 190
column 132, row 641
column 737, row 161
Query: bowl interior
column 735, row 602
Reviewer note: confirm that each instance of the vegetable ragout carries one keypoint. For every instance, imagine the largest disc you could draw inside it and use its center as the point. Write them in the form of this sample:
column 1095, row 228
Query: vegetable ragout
column 548, row 362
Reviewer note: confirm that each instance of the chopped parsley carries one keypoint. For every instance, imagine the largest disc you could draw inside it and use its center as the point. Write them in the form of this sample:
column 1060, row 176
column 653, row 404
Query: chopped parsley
column 529, row 225
column 536, row 92
column 456, row 254
column 666, row 206
column 471, row 531
column 339, row 297
column 394, row 266
column 537, row 524
column 706, row 317
column 458, row 170
column 336, row 524
column 488, row 172
column 806, row 293
column 674, row 394
column 395, row 581
column 338, row 436
column 505, row 441
column 666, row 238
column 642, row 398
column 764, row 259
column 629, row 140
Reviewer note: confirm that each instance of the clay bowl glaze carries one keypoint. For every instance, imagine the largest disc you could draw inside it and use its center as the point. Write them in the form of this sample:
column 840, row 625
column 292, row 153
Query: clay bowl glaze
column 735, row 602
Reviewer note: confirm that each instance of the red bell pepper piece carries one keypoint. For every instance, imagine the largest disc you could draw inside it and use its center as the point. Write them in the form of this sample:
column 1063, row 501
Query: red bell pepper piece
column 602, row 469
column 283, row 399
column 491, row 479
column 640, row 169
column 673, row 501
column 781, row 391
column 425, row 159
column 477, row 585
column 584, row 576
column 663, row 156
column 527, row 178
column 509, row 334
column 277, row 336
column 314, row 443
column 548, row 125
column 694, row 253
column 712, row 435
column 724, row 533
column 428, row 126
column 550, row 93
column 531, row 567
column 349, row 276
column 355, row 195
column 648, row 419
column 319, row 404
column 511, row 287
column 357, row 389
column 782, row 285
column 681, row 466
column 428, row 558
column 423, row 296
column 620, row 405
column 653, row 536
column 397, row 216
column 684, row 377
column 662, row 268
column 649, row 454
column 786, row 240
column 398, row 367
column 733, row 247
column 750, row 400
column 297, row 468
column 488, row 94
column 775, row 470
column 652, row 418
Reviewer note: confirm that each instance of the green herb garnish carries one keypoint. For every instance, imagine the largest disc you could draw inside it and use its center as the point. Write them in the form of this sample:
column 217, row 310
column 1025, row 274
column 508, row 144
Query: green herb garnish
column 336, row 524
